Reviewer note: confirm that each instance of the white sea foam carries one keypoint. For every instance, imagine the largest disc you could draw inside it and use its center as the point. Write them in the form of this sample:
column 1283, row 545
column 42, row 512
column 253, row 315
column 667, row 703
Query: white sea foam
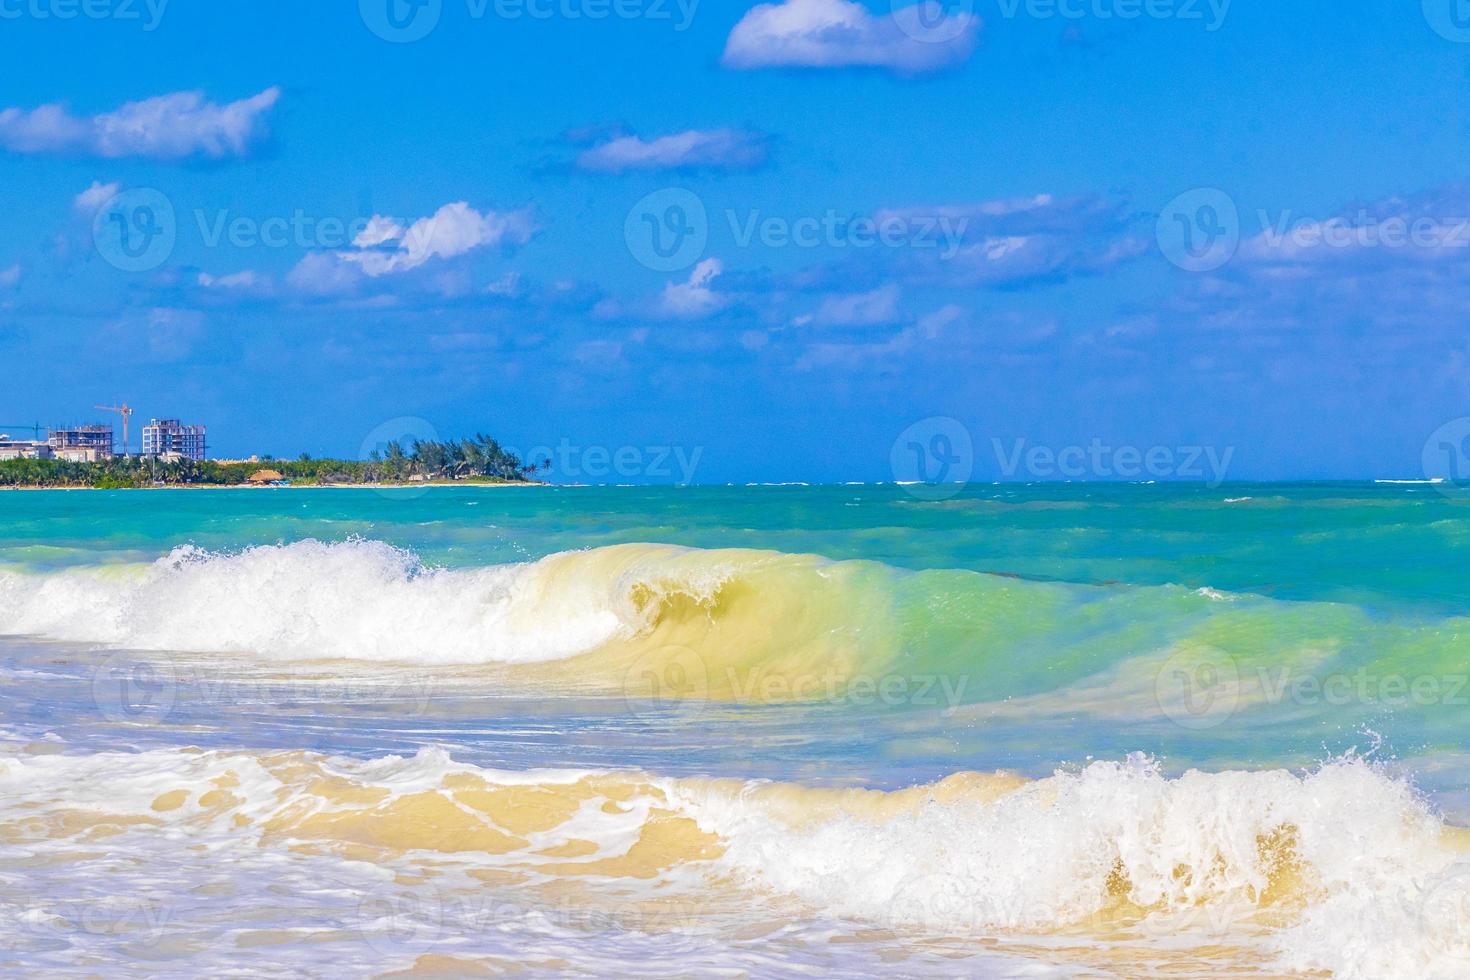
column 356, row 600
column 1204, row 854
column 1344, row 869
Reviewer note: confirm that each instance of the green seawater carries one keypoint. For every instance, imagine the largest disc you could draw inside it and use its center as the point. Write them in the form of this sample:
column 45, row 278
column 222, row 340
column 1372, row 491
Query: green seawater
column 1249, row 625
column 1200, row 684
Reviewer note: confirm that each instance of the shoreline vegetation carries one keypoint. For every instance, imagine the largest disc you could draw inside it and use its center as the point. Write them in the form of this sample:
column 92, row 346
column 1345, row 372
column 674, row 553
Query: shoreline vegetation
column 479, row 460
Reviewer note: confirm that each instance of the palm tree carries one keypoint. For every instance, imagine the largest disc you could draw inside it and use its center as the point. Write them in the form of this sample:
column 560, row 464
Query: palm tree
column 397, row 461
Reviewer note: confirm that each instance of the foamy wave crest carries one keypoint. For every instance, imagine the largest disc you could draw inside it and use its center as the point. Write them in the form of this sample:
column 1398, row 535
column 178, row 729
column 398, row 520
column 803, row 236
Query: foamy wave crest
column 366, row 600
column 741, row 625
column 362, row 600
column 1344, row 869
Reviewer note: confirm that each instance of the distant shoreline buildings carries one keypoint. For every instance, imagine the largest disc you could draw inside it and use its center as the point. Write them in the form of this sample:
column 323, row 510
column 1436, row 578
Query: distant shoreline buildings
column 82, row 443
column 170, row 437
column 163, row 439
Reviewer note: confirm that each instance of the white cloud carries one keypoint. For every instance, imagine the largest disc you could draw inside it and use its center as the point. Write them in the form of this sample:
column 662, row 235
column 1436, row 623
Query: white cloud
column 843, row 33
column 1394, row 268
column 166, row 334
column 386, row 247
column 508, row 286
column 878, row 307
column 378, row 231
column 11, row 276
column 754, row 340
column 1034, row 215
column 930, row 328
column 323, row 274
column 597, row 351
column 237, row 280
column 694, row 297
column 931, row 325
column 715, row 149
column 89, row 200
column 167, row 127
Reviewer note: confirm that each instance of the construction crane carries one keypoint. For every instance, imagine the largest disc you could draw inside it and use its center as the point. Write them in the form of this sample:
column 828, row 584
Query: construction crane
column 35, row 429
column 126, row 414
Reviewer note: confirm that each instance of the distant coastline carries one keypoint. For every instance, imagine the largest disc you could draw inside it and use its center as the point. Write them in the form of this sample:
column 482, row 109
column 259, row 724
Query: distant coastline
column 476, row 461
column 437, row 484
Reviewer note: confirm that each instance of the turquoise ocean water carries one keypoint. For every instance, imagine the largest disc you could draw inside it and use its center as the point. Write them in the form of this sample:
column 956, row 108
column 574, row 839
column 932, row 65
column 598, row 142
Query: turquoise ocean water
column 1023, row 730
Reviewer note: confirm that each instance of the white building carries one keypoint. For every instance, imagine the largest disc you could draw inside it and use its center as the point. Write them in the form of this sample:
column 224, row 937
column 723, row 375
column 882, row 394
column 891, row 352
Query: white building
column 171, row 438
column 82, row 454
column 23, row 449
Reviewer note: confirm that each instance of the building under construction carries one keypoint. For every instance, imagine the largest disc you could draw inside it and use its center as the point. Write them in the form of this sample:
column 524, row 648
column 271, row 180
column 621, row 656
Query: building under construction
column 82, row 443
column 171, row 438
column 162, row 438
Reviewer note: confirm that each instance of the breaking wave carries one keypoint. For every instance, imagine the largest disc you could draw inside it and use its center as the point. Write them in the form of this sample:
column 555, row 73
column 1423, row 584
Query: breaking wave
column 1342, row 869
column 732, row 624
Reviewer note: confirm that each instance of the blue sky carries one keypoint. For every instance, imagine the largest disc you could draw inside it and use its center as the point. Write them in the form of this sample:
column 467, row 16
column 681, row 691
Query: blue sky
column 966, row 212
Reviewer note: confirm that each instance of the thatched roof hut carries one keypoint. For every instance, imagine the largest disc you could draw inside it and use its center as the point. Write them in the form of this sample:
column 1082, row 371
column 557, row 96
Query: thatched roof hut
column 265, row 476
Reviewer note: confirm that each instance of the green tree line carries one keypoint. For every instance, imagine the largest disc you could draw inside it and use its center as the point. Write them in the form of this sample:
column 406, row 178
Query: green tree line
column 479, row 458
